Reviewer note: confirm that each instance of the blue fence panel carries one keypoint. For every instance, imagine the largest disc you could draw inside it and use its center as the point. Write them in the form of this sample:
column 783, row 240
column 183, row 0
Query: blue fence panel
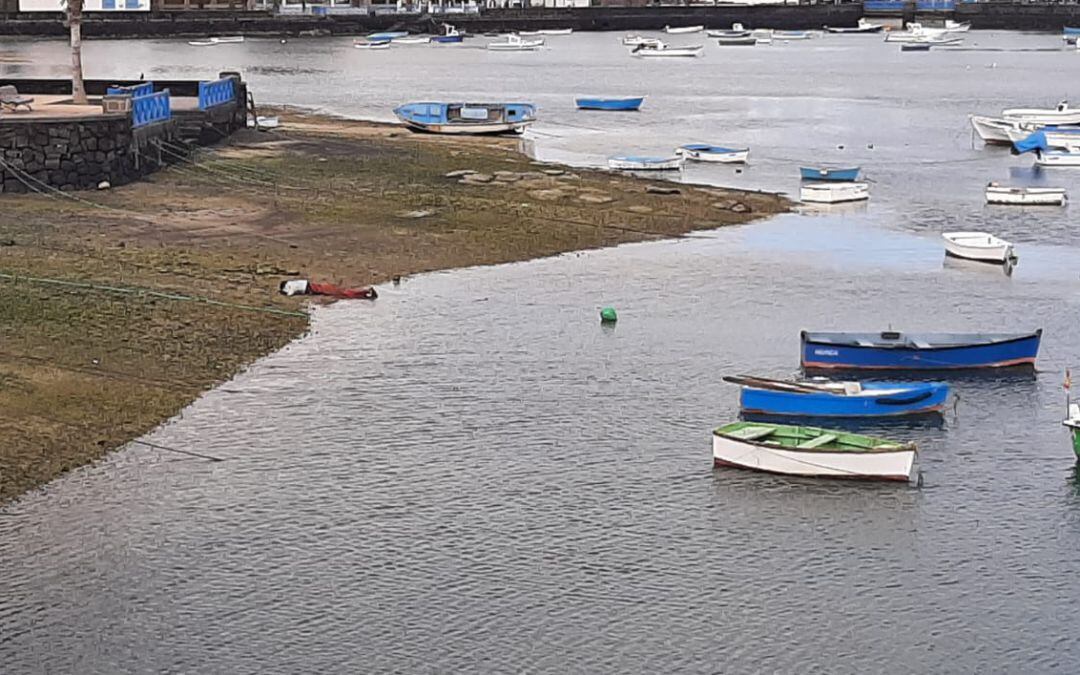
column 216, row 93
column 141, row 89
column 935, row 5
column 150, row 108
column 883, row 5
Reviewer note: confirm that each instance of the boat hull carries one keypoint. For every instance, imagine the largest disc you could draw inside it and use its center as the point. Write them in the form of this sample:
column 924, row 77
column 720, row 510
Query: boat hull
column 1058, row 159
column 877, row 399
column 634, row 164
column 683, row 30
column 894, row 466
column 468, row 130
column 612, row 104
column 834, row 192
column 739, row 156
column 829, row 355
column 671, row 52
column 1026, row 196
column 811, row 173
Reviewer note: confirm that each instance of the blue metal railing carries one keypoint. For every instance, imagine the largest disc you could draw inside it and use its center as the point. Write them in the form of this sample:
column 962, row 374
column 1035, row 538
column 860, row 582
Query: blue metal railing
column 216, row 93
column 935, row 5
column 141, row 89
column 884, row 5
column 150, row 108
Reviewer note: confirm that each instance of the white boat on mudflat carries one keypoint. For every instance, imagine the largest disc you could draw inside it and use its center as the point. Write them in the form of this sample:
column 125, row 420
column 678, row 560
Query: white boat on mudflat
column 666, row 51
column 642, row 163
column 956, row 26
column 412, row 40
column 981, row 246
column 227, row 39
column 1061, row 114
column 515, row 43
column 703, row 152
column 994, row 130
column 364, row 44
column 1025, row 196
column 466, row 118
column 863, row 26
column 683, row 30
column 736, row 30
column 547, row 31
column 641, row 41
column 1057, row 158
column 835, row 192
column 809, row 451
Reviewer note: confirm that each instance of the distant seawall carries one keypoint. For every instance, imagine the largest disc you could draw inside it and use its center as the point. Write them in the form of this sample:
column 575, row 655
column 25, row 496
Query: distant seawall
column 982, row 15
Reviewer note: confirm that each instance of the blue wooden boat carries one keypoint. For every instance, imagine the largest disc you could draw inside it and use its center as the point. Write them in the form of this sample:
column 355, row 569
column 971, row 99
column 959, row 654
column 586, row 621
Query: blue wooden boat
column 628, row 103
column 766, row 397
column 446, row 39
column 466, row 118
column 827, row 173
column 893, row 350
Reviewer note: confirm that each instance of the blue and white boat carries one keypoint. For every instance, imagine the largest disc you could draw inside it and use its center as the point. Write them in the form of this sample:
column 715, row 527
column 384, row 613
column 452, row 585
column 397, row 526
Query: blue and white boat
column 629, row 103
column 387, row 36
column 467, row 118
column 451, row 35
column 893, row 350
column 642, row 163
column 829, row 173
column 1068, row 30
column 703, row 152
column 815, row 398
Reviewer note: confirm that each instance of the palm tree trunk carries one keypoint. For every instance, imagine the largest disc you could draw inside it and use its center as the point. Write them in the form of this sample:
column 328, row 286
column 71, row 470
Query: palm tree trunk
column 78, row 89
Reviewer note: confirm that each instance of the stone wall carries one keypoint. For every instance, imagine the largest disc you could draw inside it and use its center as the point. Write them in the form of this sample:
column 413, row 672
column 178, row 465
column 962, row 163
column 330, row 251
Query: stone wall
column 78, row 154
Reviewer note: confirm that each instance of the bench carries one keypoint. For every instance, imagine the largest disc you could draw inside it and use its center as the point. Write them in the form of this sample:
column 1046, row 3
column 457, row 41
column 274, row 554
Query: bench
column 11, row 99
column 816, row 442
column 751, row 433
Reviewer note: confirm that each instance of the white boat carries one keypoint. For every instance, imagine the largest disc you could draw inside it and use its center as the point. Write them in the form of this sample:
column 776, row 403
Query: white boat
column 1025, row 196
column 807, row 451
column 702, row 152
column 515, row 43
column 641, row 163
column 201, row 43
column 1061, row 114
column 547, row 31
column 227, row 39
column 263, row 122
column 834, row 192
column 916, row 32
column 863, row 26
column 1057, row 158
column 641, row 41
column 363, row 44
column 956, row 26
column 981, row 246
column 737, row 30
column 993, row 130
column 667, row 51
column 412, row 40
column 792, row 34
column 683, row 30
column 1065, row 138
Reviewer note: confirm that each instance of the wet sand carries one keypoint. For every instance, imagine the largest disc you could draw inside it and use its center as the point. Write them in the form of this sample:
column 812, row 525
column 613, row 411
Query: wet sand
column 86, row 370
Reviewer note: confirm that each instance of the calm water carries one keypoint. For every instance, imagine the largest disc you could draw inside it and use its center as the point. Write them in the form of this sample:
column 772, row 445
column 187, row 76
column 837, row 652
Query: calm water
column 472, row 475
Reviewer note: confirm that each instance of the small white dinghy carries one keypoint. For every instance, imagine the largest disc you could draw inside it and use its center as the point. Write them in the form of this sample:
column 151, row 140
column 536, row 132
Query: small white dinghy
column 703, row 152
column 836, row 192
column 641, row 41
column 364, row 44
column 263, row 122
column 665, row 51
column 994, row 130
column 981, row 246
column 683, row 30
column 515, row 43
column 640, row 163
column 412, row 40
column 1057, row 158
column 547, row 31
column 1025, row 196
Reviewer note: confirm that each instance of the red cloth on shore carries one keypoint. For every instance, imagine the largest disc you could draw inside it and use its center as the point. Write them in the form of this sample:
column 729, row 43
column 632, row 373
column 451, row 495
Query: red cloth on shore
column 365, row 293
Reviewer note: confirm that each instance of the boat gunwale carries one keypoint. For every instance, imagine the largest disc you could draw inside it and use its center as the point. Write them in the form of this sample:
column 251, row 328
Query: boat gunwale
column 828, row 448
column 805, row 340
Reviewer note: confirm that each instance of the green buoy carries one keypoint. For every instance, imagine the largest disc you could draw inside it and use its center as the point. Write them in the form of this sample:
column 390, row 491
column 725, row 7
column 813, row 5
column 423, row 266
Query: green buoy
column 608, row 315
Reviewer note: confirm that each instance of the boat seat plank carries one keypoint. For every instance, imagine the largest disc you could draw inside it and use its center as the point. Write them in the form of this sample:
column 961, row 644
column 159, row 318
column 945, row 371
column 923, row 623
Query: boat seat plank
column 816, row 442
column 752, row 433
column 920, row 344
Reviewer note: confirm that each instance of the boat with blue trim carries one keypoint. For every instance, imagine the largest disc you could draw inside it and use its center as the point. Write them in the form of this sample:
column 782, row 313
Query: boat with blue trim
column 643, row 163
column 450, row 35
column 388, row 35
column 829, row 173
column 820, row 398
column 466, row 118
column 893, row 350
column 703, row 152
column 629, row 103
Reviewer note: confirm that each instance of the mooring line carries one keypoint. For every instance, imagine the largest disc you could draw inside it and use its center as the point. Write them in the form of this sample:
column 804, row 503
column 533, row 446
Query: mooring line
column 155, row 446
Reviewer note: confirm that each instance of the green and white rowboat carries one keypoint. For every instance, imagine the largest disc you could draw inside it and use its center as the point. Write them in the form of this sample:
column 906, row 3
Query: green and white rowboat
column 809, row 451
column 1073, row 422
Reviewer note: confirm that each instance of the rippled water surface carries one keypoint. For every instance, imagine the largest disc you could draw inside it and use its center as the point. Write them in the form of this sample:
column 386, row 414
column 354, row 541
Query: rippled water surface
column 472, row 475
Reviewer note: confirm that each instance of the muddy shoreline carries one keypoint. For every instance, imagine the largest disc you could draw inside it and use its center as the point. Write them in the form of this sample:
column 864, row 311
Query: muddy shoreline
column 176, row 277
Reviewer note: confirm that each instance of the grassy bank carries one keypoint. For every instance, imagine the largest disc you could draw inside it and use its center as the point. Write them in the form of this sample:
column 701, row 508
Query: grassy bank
column 84, row 370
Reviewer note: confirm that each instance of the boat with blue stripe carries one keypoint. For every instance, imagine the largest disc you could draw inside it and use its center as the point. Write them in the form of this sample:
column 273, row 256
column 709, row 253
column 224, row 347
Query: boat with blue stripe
column 829, row 173
column 466, row 118
column 388, row 36
column 893, row 350
column 629, row 103
column 764, row 397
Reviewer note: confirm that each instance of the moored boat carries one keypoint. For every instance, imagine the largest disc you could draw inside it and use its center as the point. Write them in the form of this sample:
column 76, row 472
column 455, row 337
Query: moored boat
column 818, row 398
column 737, row 30
column 915, row 46
column 893, row 350
column 829, row 173
column 202, row 43
column 1025, row 196
column 703, row 152
column 992, row 130
column 1072, row 422
column 666, row 51
column 466, row 118
column 980, row 246
column 645, row 163
column 361, row 44
column 1060, row 114
column 450, row 35
column 227, row 39
column 1025, row 139
column 629, row 103
column 957, row 26
column 792, row 34
column 515, row 43
column 1057, row 158
column 813, row 452
column 641, row 41
column 683, row 30
column 412, row 40
column 863, row 26
column 547, row 31
column 834, row 192
column 388, row 35
column 743, row 41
